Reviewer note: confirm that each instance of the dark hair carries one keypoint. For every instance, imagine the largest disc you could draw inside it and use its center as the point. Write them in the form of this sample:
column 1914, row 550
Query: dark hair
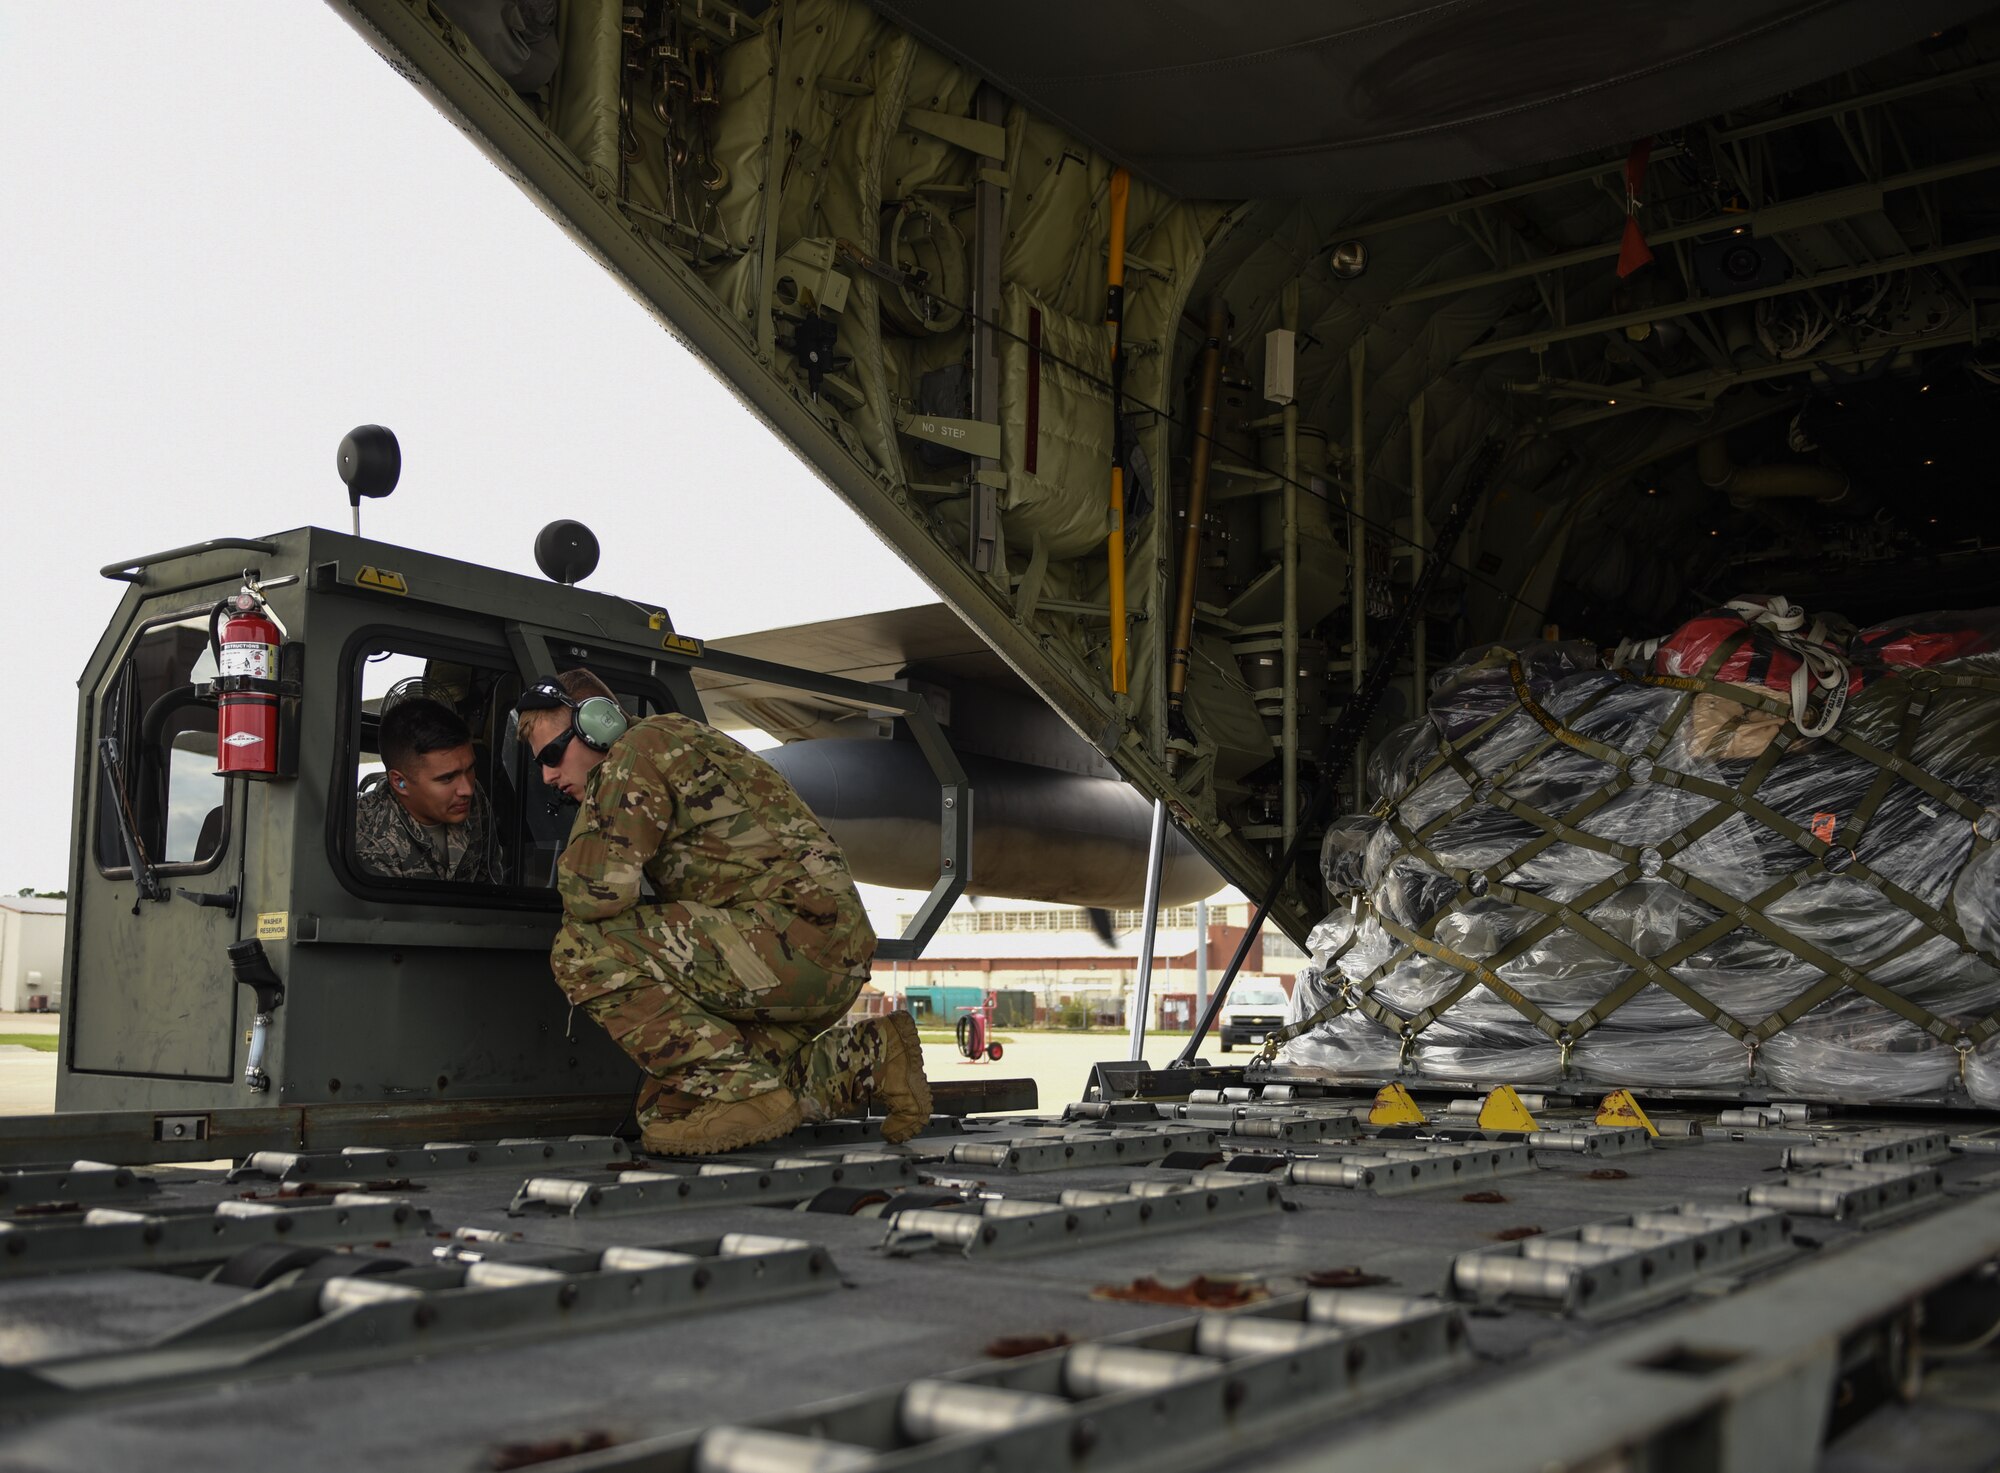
column 417, row 726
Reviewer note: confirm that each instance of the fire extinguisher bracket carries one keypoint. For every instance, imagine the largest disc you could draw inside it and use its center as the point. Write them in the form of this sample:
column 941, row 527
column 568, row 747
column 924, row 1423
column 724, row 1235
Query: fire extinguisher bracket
column 226, row 685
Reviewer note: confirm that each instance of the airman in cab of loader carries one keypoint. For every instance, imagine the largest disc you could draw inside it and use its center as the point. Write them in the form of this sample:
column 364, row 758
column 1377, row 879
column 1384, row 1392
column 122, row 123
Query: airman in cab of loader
column 425, row 817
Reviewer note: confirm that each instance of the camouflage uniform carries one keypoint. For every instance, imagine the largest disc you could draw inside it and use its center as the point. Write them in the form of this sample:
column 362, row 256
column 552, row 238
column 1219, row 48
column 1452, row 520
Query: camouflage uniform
column 734, row 983
column 387, row 841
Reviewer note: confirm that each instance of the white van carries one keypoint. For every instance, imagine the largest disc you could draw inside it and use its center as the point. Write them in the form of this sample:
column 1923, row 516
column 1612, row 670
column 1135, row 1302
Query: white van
column 1256, row 1006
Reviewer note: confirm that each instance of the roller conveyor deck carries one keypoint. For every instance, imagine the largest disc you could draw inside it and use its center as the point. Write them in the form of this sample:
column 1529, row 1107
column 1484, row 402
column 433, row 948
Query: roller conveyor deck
column 1190, row 1283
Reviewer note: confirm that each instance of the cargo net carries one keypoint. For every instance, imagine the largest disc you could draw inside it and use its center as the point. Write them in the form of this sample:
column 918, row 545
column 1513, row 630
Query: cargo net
column 1655, row 876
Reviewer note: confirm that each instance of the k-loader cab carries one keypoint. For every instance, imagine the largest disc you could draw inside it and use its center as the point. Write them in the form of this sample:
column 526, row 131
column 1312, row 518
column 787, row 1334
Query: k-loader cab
column 229, row 948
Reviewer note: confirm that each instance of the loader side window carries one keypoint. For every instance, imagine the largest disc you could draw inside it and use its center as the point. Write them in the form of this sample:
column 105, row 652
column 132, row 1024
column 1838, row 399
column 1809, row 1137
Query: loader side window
column 517, row 828
column 384, row 843
column 158, row 712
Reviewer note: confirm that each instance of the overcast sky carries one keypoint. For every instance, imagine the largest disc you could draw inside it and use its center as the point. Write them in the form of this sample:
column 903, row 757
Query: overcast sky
column 231, row 233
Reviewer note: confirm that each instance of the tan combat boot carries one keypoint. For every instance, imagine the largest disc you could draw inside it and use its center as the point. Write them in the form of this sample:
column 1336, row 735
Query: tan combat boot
column 725, row 1125
column 901, row 1087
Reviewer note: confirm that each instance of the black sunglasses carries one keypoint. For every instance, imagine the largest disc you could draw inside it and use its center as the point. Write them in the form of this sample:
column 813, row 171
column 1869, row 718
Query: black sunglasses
column 546, row 695
column 551, row 754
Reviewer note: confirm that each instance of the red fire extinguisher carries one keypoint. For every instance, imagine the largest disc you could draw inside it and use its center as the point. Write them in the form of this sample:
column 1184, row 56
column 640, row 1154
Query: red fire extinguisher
column 246, row 642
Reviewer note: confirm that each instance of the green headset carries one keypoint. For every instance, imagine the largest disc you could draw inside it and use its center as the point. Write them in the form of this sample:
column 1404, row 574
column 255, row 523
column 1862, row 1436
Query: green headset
column 597, row 721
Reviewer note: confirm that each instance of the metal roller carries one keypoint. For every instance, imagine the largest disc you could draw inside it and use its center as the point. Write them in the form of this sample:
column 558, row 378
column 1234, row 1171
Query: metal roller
column 273, row 1164
column 1104, row 1370
column 352, row 1293
column 1813, row 1201
column 1016, row 1207
column 1613, row 1235
column 1559, row 1140
column 1883, row 1173
column 971, row 1155
column 1309, row 1173
column 645, row 1178
column 1206, row 1096
column 958, row 1228
column 725, row 1168
column 1215, row 1176
column 753, row 1450
column 508, row 1275
column 1529, row 1102
column 1144, row 1188
column 251, row 1209
column 1505, row 1274
column 1704, row 1214
column 1232, row 1336
column 932, row 1409
column 106, row 1216
column 747, row 1245
column 556, row 1191
column 481, row 1235
column 630, row 1260
column 1757, row 1119
column 1238, row 1094
column 1854, row 1153
column 1358, row 1309
column 1569, row 1251
column 1099, row 1196
column 1679, row 1224
column 1215, row 1110
column 1269, row 1129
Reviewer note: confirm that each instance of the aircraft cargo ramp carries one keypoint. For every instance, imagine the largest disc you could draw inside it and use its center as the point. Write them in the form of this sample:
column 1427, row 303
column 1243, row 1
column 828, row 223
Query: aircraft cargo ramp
column 1242, row 1275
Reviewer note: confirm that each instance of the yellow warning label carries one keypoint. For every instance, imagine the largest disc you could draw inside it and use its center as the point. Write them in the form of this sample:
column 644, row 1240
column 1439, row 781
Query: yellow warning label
column 273, row 925
column 381, row 580
column 681, row 644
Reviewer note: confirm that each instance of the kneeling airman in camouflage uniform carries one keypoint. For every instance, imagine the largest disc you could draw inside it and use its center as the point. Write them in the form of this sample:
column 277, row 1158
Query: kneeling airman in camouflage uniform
column 729, row 990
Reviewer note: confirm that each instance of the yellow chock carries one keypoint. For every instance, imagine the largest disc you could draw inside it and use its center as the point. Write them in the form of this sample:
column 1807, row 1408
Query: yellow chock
column 1503, row 1110
column 1619, row 1108
column 1393, row 1106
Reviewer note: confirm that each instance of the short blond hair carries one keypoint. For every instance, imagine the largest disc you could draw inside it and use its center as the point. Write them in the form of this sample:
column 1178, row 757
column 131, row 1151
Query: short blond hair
column 579, row 685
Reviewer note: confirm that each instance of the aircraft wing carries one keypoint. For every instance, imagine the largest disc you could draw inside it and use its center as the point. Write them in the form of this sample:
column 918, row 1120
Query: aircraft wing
column 867, row 647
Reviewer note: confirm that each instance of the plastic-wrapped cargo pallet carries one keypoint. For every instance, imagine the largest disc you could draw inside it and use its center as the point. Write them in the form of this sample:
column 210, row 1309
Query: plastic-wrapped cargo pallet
column 1657, row 878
